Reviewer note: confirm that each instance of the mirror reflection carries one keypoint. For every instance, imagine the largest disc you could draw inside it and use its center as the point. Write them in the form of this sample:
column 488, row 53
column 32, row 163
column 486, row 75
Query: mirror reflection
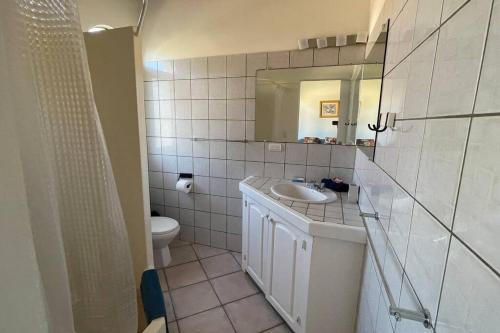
column 332, row 105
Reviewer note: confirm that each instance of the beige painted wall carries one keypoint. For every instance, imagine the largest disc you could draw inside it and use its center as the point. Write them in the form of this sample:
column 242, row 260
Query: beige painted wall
column 115, row 67
column 116, row 13
column 192, row 28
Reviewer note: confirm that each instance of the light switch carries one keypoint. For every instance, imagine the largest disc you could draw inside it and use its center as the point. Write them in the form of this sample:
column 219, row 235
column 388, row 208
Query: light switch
column 274, row 147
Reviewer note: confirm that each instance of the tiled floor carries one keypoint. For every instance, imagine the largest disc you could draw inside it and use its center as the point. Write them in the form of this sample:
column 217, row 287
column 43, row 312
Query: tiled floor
column 206, row 291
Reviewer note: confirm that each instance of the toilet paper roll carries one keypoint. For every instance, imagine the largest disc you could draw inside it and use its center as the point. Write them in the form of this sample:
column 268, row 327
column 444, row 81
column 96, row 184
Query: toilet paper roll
column 184, row 185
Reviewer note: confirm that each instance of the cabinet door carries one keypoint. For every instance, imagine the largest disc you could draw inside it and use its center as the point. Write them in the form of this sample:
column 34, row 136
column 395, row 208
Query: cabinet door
column 288, row 271
column 254, row 236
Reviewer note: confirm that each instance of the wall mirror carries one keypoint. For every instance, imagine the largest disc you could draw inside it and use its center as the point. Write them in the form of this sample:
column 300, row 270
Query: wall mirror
column 327, row 105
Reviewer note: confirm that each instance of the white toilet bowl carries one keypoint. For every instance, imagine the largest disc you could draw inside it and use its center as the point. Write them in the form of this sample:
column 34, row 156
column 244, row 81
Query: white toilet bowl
column 164, row 230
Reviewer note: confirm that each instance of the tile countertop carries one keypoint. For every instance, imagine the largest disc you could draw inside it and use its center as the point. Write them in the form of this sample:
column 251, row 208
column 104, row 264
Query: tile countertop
column 340, row 211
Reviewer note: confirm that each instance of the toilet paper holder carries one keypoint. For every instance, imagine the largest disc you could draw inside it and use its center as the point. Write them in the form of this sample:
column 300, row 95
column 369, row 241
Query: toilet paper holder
column 185, row 175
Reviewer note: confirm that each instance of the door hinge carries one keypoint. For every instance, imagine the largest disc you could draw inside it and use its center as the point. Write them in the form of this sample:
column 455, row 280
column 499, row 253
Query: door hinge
column 304, row 245
column 298, row 320
column 246, row 204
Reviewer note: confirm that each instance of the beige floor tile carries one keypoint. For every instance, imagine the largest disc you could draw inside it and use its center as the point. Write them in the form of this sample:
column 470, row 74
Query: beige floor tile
column 233, row 287
column 211, row 321
column 237, row 256
column 181, row 255
column 172, row 327
column 206, row 251
column 163, row 280
column 194, row 299
column 278, row 329
column 168, row 306
column 185, row 274
column 178, row 243
column 220, row 265
column 252, row 314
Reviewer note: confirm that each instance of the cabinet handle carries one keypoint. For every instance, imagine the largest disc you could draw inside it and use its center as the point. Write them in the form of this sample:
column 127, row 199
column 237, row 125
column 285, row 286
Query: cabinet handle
column 298, row 320
column 304, row 245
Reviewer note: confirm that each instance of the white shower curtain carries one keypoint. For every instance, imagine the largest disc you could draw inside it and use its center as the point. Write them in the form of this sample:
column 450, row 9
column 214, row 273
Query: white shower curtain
column 76, row 220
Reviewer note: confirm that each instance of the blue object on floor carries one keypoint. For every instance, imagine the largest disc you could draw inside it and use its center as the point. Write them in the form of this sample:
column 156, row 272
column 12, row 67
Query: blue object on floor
column 334, row 186
column 152, row 296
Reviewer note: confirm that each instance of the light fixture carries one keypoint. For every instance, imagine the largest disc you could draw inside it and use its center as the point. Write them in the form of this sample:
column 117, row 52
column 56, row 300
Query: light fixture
column 303, row 43
column 100, row 27
column 321, row 42
column 341, row 40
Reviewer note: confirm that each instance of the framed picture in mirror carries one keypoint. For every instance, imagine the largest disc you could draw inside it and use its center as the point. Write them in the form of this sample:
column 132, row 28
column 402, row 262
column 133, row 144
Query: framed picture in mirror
column 329, row 109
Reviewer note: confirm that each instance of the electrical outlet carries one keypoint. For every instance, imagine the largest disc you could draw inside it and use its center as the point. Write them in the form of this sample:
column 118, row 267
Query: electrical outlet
column 275, row 147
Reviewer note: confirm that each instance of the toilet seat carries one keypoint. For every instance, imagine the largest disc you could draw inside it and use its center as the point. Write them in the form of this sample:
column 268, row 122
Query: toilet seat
column 161, row 225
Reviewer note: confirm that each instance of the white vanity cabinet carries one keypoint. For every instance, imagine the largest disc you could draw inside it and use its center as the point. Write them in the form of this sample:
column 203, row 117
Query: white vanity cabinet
column 310, row 272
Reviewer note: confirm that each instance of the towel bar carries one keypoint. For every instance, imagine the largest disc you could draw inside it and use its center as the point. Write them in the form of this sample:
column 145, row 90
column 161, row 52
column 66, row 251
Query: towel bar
column 423, row 316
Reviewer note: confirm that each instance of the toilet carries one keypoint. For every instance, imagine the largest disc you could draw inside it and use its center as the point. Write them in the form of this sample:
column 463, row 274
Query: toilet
column 164, row 230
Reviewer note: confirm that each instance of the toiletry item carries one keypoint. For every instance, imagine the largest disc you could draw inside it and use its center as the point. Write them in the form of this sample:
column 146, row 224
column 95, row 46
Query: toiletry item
column 353, row 193
column 184, row 185
column 336, row 185
column 298, row 180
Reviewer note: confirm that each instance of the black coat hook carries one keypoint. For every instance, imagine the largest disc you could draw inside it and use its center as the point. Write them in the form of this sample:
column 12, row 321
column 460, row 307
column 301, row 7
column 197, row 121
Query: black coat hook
column 376, row 128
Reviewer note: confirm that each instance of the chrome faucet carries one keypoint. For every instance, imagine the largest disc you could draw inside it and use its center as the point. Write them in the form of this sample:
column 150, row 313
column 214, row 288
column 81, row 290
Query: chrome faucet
column 315, row 186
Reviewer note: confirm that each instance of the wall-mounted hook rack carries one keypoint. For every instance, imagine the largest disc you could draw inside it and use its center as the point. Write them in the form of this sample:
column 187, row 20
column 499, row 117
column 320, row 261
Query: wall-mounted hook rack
column 376, row 128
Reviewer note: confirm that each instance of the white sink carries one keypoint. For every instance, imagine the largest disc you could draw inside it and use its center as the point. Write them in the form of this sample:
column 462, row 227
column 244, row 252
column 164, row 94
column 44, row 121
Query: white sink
column 301, row 193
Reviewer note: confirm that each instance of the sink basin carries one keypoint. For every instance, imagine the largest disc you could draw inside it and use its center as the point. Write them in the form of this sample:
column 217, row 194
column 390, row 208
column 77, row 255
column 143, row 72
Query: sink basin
column 301, row 193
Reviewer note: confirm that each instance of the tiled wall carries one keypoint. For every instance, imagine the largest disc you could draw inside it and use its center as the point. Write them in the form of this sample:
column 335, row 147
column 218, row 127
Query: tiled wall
column 436, row 177
column 199, row 114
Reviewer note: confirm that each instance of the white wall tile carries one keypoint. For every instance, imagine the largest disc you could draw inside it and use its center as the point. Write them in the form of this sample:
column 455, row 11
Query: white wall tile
column 301, row 58
column 218, row 149
column 153, row 127
column 326, row 57
column 201, row 166
column 218, row 239
column 234, row 207
column 236, row 87
column 217, row 109
column 296, row 153
column 185, row 164
column 449, row 7
column 426, row 259
column 167, row 109
column 202, row 184
column 236, row 151
column 167, row 128
column 316, row 173
column 186, row 200
column 183, row 109
column 254, row 169
column 199, row 109
column 234, row 225
column 154, row 145
column 400, row 222
column 217, row 88
column 318, row 155
column 489, row 85
column 419, row 79
column 233, row 190
column 343, row 156
column 217, row 66
column 279, row 59
column 165, row 70
column 150, row 91
column 199, row 68
column 250, row 109
column 155, row 179
column 152, row 109
column 235, row 130
column 217, row 129
column 235, row 169
column 478, row 208
column 187, row 233
column 156, row 196
column 255, row 151
column 295, row 171
column 201, row 148
column 343, row 173
column 233, row 242
column 169, row 146
column 202, row 203
column 218, row 223
column 182, row 89
column 170, row 163
column 236, row 109
column 200, row 129
column 440, row 166
column 186, row 217
column 218, row 186
column 250, row 130
column 274, row 170
column 166, row 89
column 218, row 204
column 184, row 147
column 182, row 69
column 256, row 61
column 411, row 139
column 150, row 71
column 199, row 89
column 217, row 168
column 183, row 128
column 352, row 54
column 236, row 65
column 250, row 87
column 456, row 70
column 427, row 19
column 169, row 181
column 274, row 156
column 202, row 236
column 154, row 163
column 470, row 295
column 171, row 198
column 202, row 219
